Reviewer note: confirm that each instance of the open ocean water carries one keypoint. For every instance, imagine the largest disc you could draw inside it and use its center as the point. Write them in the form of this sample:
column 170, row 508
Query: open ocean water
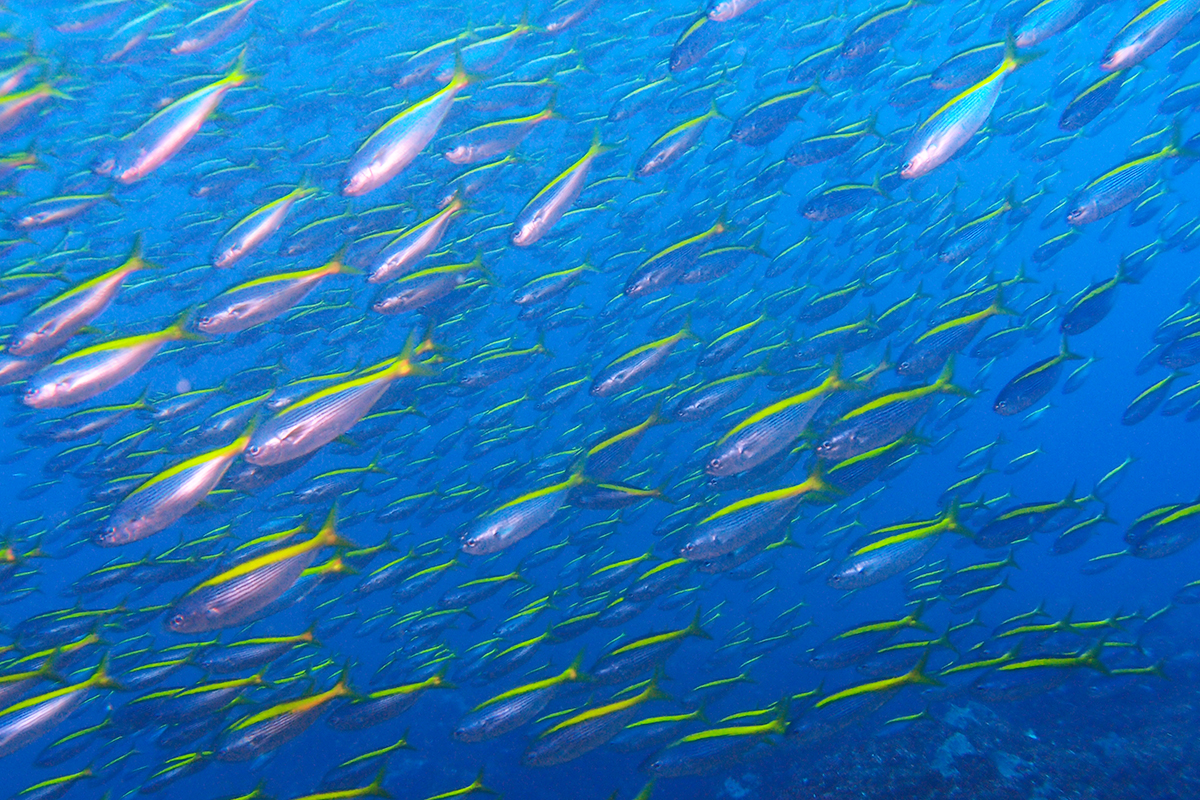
column 590, row 400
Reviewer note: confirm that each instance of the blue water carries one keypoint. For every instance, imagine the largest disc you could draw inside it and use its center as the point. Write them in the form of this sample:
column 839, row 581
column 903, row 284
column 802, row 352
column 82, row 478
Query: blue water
column 321, row 80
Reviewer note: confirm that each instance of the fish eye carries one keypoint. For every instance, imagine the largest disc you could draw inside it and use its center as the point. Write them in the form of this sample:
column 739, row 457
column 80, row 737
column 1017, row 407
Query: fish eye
column 177, row 621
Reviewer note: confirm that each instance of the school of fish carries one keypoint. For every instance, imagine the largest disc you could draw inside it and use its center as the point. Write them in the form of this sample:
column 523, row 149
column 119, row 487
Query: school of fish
column 481, row 389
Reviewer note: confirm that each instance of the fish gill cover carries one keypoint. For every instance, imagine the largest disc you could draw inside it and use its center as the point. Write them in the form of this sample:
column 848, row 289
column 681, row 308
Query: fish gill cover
column 583, row 399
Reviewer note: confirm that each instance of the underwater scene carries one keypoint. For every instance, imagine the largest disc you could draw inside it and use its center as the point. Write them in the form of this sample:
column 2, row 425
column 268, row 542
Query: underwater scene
column 573, row 399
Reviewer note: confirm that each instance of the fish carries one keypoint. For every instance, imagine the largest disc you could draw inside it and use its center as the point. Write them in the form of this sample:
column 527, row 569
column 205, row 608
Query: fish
column 714, row 748
column 208, row 30
column 1092, row 101
column 418, row 289
column 673, row 145
column 841, row 200
column 565, row 15
column 14, row 105
column 24, row 722
column 884, row 419
column 551, row 285
column 972, row 236
column 394, row 145
column 693, row 44
column 652, row 732
column 767, row 120
column 256, row 227
column 166, row 133
column 748, row 520
column 236, row 594
column 56, row 210
column 156, row 504
column 53, row 323
column 1089, row 308
column 251, row 653
column 605, row 457
column 372, row 789
column 821, row 148
column 310, row 423
column 930, row 351
column 642, row 655
column 493, row 139
column 669, row 265
column 703, row 401
column 967, row 67
column 1049, row 18
column 1032, row 384
column 400, row 255
column 84, row 374
column 726, row 10
column 632, row 367
column 263, row 299
column 936, row 140
column 264, row 731
column 547, row 207
column 886, row 686
column 1022, row 520
column 1121, row 185
column 519, row 518
column 587, row 730
column 883, row 556
column 514, row 708
column 770, row 430
column 471, row 788
column 1147, row 32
